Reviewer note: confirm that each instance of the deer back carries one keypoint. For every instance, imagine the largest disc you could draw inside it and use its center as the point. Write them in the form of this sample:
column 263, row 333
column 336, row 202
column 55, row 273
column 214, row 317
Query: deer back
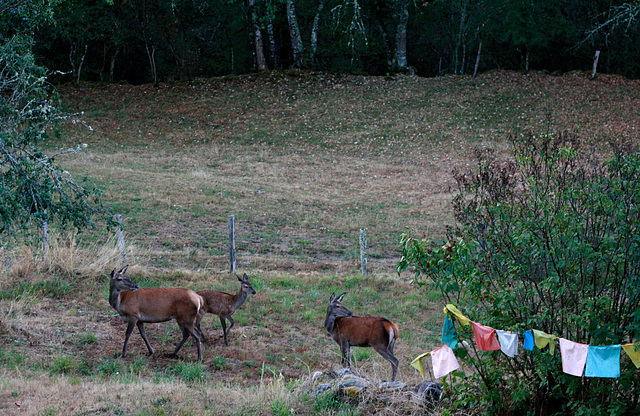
column 160, row 304
column 364, row 331
column 219, row 303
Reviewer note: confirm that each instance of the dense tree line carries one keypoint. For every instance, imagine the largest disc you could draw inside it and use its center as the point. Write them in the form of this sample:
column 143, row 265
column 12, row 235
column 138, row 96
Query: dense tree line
column 144, row 41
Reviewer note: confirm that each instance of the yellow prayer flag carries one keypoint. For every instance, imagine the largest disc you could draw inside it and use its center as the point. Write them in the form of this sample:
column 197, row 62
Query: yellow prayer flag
column 542, row 339
column 633, row 351
column 451, row 308
column 417, row 363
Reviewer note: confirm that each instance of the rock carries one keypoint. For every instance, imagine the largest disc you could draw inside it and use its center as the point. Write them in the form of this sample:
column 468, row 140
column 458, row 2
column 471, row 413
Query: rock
column 427, row 392
column 352, row 387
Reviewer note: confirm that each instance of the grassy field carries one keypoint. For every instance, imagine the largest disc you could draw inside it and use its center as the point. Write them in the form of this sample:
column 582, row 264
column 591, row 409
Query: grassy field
column 303, row 161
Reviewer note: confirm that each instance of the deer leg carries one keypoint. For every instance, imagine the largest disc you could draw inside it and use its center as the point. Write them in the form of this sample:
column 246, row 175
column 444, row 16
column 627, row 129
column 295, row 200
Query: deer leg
column 185, row 336
column 387, row 354
column 199, row 318
column 199, row 331
column 224, row 329
column 346, row 355
column 127, row 334
column 143, row 334
column 230, row 326
column 196, row 336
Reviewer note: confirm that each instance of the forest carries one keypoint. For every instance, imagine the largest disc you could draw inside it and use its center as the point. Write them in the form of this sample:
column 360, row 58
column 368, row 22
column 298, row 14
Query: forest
column 142, row 41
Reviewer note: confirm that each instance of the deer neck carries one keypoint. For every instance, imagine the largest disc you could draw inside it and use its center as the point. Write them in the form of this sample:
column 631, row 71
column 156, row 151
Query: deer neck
column 330, row 322
column 239, row 298
column 114, row 299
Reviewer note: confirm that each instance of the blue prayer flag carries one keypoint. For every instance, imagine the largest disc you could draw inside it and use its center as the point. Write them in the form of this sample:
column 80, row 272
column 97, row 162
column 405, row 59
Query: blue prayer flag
column 603, row 361
column 528, row 340
column 449, row 336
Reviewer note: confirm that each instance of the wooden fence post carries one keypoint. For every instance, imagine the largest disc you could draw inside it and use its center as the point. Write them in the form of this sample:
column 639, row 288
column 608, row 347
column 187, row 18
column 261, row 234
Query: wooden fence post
column 120, row 234
column 363, row 250
column 232, row 244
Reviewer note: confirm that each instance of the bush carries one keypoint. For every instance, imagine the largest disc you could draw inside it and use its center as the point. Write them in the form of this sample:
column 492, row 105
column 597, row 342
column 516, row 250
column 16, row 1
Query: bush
column 547, row 241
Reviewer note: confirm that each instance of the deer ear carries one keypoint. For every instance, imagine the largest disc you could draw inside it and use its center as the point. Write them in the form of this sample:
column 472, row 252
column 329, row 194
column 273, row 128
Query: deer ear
column 124, row 269
column 340, row 297
column 332, row 297
column 113, row 273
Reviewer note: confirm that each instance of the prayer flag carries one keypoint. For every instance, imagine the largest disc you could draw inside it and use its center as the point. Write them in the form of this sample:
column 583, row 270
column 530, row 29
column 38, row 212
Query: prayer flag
column 633, row 351
column 528, row 340
column 417, row 363
column 543, row 339
column 508, row 343
column 451, row 308
column 485, row 337
column 574, row 357
column 603, row 361
column 449, row 336
column 443, row 361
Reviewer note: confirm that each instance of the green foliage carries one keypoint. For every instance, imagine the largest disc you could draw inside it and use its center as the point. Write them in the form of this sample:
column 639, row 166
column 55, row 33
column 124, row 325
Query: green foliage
column 65, row 364
column 549, row 241
column 190, row 372
column 33, row 188
column 279, row 408
column 55, row 288
column 109, row 367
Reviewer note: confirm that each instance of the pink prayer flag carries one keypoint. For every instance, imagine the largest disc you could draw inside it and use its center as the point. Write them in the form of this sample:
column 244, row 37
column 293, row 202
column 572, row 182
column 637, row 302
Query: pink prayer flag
column 486, row 339
column 574, row 357
column 443, row 361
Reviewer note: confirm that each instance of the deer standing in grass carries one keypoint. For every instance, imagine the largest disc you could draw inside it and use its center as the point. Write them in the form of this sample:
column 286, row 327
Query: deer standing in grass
column 224, row 304
column 138, row 306
column 355, row 331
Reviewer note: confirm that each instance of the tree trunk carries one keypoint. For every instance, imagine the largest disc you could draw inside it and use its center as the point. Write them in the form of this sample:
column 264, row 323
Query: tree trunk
column 113, row 64
column 84, row 55
column 595, row 64
column 458, row 65
column 151, row 54
column 273, row 49
column 475, row 68
column 314, row 30
column 401, row 35
column 296, row 38
column 260, row 60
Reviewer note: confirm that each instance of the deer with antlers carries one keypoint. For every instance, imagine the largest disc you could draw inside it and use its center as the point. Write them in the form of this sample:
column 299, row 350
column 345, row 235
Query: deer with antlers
column 138, row 306
column 355, row 331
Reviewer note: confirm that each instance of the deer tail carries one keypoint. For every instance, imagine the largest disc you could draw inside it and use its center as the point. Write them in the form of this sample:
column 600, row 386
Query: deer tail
column 394, row 333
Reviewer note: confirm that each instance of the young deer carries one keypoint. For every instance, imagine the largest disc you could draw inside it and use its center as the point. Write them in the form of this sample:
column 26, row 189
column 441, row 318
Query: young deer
column 354, row 331
column 138, row 306
column 224, row 304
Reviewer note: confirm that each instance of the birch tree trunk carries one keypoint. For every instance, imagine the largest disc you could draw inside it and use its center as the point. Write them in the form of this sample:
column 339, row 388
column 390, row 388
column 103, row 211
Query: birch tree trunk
column 475, row 68
column 314, row 30
column 401, row 35
column 260, row 60
column 294, row 30
column 273, row 49
column 459, row 63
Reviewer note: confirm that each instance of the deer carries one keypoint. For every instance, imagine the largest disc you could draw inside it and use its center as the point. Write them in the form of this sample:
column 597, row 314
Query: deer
column 138, row 306
column 224, row 305
column 354, row 331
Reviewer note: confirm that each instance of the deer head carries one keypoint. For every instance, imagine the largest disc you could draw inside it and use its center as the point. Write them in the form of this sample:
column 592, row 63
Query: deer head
column 335, row 309
column 246, row 287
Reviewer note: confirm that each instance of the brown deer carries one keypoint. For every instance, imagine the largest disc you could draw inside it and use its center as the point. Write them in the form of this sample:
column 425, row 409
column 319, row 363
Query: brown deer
column 138, row 306
column 354, row 331
column 224, row 304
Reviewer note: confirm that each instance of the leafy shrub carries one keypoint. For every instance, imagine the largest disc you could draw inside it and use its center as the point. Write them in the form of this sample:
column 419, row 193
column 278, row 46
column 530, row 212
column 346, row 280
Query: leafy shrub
column 548, row 241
